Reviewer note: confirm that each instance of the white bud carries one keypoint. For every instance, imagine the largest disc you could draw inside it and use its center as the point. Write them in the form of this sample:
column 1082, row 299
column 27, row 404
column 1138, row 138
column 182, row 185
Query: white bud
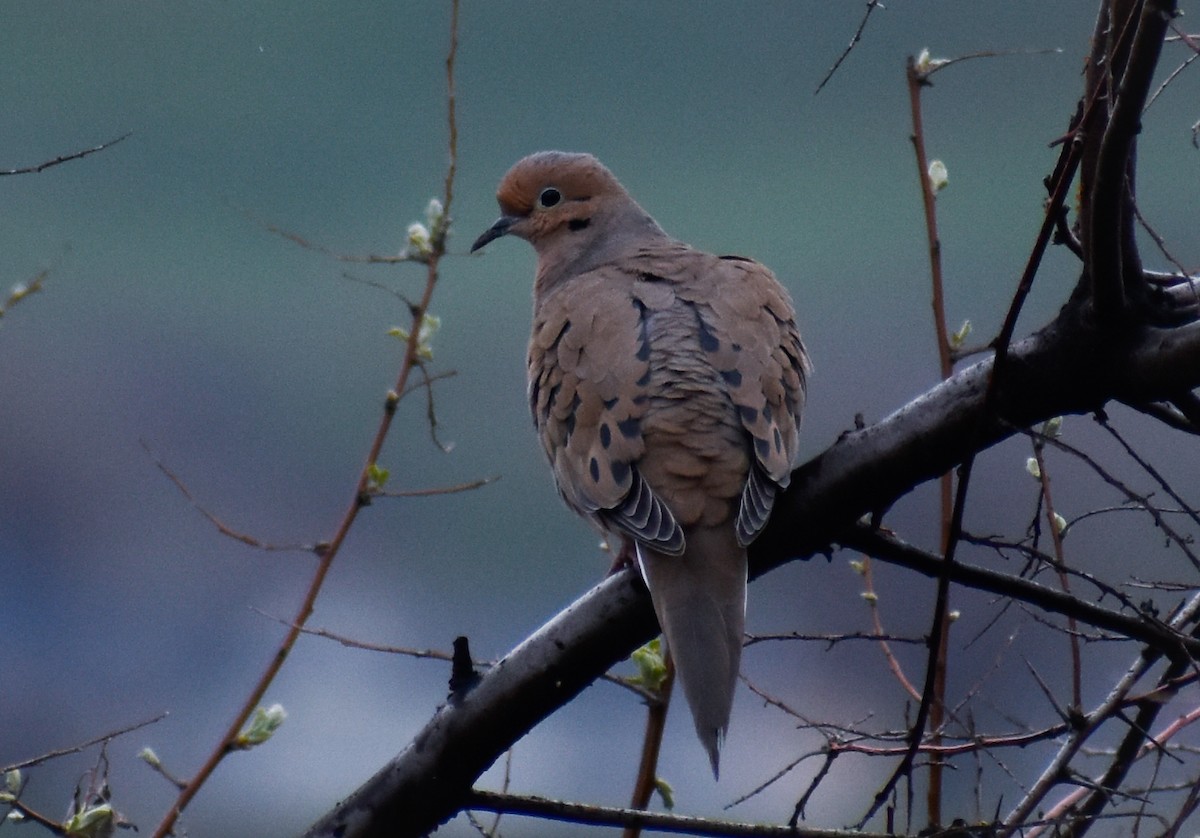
column 1060, row 523
column 926, row 64
column 1053, row 427
column 938, row 176
column 1031, row 466
column 434, row 213
column 418, row 240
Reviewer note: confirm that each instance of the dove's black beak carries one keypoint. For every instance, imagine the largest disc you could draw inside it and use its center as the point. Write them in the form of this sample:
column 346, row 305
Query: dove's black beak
column 500, row 228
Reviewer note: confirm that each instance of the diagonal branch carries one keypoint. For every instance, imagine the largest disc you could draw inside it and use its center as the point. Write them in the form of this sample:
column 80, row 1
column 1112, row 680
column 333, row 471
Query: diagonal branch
column 1065, row 368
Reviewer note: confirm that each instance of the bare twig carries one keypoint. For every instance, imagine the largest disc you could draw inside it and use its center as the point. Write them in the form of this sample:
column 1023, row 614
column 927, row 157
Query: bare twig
column 361, row 493
column 1140, row 627
column 1056, row 539
column 317, row 247
column 83, row 746
column 434, row 654
column 872, row 5
column 438, row 490
column 893, row 663
column 646, row 780
column 1142, row 501
column 63, row 158
column 223, row 528
column 680, row 824
column 942, row 63
column 54, row 827
column 1085, row 726
column 830, row 639
column 918, row 79
column 1102, row 419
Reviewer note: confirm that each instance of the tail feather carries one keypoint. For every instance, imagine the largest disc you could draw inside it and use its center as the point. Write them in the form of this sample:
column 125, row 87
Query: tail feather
column 700, row 599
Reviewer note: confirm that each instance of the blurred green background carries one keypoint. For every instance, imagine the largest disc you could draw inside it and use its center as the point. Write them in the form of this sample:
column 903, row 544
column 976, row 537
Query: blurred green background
column 256, row 370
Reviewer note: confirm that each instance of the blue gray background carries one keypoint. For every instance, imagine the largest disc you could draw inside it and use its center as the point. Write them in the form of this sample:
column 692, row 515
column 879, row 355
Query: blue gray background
column 257, row 371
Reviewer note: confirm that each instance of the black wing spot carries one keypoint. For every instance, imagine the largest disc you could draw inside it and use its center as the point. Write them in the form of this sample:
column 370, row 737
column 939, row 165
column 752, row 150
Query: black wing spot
column 620, row 471
column 643, row 352
column 732, row 377
column 629, row 428
column 761, row 447
column 708, row 341
column 609, row 404
column 594, row 469
column 642, row 382
column 649, row 277
column 749, row 414
column 606, row 435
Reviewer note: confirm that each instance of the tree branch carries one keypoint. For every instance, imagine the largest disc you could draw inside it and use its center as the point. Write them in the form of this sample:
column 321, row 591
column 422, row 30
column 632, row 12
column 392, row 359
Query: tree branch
column 1067, row 367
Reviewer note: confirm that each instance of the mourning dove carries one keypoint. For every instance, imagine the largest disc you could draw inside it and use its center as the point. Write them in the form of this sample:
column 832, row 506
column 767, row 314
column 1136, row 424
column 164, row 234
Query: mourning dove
column 666, row 386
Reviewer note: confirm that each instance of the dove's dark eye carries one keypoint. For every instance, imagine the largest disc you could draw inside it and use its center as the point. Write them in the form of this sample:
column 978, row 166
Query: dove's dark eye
column 549, row 197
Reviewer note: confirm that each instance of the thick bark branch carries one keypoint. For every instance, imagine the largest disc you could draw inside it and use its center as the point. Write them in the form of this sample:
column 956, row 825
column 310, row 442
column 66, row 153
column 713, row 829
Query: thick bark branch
column 1068, row 367
column 1113, row 257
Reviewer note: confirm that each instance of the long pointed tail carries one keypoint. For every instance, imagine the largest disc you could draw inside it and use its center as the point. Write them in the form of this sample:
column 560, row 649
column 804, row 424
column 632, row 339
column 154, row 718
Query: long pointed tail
column 700, row 599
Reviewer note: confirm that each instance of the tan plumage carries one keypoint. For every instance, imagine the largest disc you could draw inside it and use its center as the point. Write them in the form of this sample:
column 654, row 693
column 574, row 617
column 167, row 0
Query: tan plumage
column 666, row 385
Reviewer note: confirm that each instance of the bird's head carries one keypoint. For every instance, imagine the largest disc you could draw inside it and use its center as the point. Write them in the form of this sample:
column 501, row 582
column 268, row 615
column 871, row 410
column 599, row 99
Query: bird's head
column 551, row 198
column 574, row 212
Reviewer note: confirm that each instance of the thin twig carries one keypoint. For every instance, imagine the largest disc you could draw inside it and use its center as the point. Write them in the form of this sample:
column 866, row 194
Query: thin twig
column 438, row 490
column 1141, row 627
column 938, row 658
column 943, row 63
column 432, row 654
column 831, row 639
column 41, row 167
column 360, row 496
column 1056, row 540
column 1145, row 465
column 646, row 780
column 893, row 663
column 83, row 746
column 1160, row 521
column 858, row 33
column 317, row 247
column 1056, row 769
column 560, row 810
column 223, row 528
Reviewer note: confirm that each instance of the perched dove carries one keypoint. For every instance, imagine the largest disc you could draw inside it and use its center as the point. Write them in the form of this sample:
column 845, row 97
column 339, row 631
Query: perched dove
column 666, row 386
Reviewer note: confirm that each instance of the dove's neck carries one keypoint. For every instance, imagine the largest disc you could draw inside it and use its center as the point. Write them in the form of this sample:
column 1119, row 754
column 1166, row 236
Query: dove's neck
column 613, row 232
